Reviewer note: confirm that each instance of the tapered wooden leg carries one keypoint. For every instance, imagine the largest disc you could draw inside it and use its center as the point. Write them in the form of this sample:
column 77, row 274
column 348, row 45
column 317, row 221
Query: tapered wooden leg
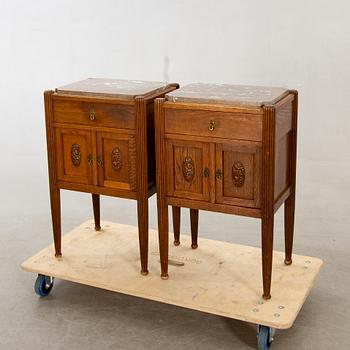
column 142, row 215
column 289, row 205
column 163, row 232
column 55, row 200
column 162, row 206
column 289, row 209
column 176, row 224
column 194, row 227
column 267, row 251
column 268, row 191
column 96, row 206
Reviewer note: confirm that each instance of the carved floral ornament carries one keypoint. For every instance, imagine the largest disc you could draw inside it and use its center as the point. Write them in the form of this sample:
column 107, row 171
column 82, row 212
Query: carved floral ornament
column 188, row 168
column 116, row 158
column 75, row 154
column 238, row 174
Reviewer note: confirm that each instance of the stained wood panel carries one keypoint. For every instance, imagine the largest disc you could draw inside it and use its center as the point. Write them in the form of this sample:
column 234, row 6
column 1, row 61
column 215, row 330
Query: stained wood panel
column 282, row 167
column 239, row 166
column 116, row 160
column 284, row 117
column 283, row 142
column 74, row 155
column 94, row 114
column 186, row 165
column 214, row 124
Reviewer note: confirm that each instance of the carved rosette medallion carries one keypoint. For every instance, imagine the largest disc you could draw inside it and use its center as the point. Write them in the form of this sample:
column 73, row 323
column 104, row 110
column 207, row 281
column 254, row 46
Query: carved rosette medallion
column 75, row 154
column 238, row 174
column 116, row 157
column 188, row 168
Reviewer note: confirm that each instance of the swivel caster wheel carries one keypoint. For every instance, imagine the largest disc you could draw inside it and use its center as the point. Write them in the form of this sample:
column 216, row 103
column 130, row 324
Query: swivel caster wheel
column 265, row 337
column 43, row 285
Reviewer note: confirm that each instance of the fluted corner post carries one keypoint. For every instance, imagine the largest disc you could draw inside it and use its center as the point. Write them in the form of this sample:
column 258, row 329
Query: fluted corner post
column 142, row 180
column 162, row 207
column 289, row 204
column 267, row 208
column 55, row 199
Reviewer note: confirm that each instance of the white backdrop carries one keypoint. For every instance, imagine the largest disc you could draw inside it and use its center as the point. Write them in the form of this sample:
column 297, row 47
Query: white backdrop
column 301, row 44
column 44, row 44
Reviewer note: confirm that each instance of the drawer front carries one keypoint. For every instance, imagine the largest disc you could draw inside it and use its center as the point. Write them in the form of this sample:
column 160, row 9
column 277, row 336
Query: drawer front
column 238, row 174
column 218, row 124
column 94, row 114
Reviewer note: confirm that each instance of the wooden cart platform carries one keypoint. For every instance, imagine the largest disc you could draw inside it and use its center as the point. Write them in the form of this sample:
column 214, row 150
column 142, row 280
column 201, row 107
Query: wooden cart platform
column 219, row 278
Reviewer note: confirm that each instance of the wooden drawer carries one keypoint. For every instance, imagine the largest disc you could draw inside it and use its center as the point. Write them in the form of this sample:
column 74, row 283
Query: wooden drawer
column 211, row 123
column 94, row 114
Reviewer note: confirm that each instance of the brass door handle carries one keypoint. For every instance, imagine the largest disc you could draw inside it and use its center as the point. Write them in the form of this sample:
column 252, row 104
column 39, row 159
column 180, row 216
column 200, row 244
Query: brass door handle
column 211, row 125
column 90, row 159
column 218, row 174
column 92, row 114
column 206, row 172
column 99, row 160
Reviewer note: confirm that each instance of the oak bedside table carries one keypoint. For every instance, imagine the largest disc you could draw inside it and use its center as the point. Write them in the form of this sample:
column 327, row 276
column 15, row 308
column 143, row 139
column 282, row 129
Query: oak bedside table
column 100, row 139
column 230, row 149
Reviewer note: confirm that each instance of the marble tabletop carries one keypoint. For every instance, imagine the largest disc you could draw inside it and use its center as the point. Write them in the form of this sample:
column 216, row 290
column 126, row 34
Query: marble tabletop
column 236, row 95
column 114, row 87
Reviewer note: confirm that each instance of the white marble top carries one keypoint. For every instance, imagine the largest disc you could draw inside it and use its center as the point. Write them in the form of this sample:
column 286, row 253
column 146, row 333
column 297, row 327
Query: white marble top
column 115, row 87
column 237, row 95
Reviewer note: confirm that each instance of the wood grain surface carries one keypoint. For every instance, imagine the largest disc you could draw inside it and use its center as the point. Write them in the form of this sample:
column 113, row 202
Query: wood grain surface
column 218, row 277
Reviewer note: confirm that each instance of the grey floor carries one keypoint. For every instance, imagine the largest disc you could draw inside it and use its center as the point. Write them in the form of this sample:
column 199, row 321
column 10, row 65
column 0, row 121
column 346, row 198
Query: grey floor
column 74, row 316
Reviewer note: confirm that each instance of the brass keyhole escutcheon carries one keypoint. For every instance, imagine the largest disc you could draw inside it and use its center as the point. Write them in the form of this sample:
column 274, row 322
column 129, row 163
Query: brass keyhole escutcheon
column 92, row 115
column 211, row 125
column 218, row 174
column 89, row 160
column 206, row 172
column 99, row 160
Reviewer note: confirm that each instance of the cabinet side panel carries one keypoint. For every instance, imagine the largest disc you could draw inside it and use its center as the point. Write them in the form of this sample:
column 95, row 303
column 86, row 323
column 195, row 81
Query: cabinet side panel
column 282, row 168
column 283, row 146
column 50, row 139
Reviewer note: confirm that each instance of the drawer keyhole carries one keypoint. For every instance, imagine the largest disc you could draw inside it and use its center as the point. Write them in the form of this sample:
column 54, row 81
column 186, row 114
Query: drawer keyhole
column 92, row 115
column 218, row 174
column 211, row 125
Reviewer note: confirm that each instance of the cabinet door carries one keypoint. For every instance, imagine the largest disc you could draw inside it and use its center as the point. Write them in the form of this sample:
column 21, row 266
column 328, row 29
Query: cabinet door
column 188, row 169
column 74, row 155
column 116, row 160
column 238, row 169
